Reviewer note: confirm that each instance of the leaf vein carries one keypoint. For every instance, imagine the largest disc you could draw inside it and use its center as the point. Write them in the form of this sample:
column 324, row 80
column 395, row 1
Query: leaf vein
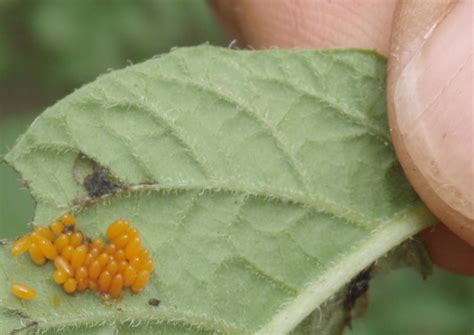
column 280, row 142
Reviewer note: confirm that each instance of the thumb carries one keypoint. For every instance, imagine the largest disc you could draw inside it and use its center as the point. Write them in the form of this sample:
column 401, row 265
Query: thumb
column 431, row 106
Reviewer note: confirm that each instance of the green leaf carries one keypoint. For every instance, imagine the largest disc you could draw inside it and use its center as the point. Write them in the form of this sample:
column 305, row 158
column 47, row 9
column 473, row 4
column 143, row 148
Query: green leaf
column 262, row 182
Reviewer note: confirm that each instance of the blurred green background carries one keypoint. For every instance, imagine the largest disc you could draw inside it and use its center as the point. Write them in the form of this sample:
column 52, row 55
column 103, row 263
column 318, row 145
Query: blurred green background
column 50, row 47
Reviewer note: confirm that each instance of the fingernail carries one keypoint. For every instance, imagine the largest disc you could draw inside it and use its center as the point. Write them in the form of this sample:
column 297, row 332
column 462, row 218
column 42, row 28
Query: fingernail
column 434, row 108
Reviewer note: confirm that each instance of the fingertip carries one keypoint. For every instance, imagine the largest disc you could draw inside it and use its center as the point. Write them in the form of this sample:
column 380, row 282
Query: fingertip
column 307, row 23
column 430, row 107
column 225, row 13
column 448, row 251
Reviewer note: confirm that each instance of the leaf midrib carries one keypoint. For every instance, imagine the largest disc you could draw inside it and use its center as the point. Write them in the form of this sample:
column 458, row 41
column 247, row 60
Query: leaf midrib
column 401, row 227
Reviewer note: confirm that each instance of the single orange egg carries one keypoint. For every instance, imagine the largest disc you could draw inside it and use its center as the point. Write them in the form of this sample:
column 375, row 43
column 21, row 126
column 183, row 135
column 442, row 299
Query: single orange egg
column 56, row 227
column 70, row 285
column 89, row 259
column 76, row 239
column 92, row 285
column 21, row 245
column 23, row 291
column 122, row 240
column 144, row 254
column 133, row 248
column 103, row 259
column 81, row 273
column 136, row 263
column 68, row 219
column 111, row 249
column 116, row 286
column 82, row 285
column 112, row 267
column 63, row 265
column 140, row 281
column 94, row 251
column 122, row 265
column 104, row 281
column 60, row 276
column 61, row 242
column 67, row 252
column 129, row 275
column 47, row 248
column 45, row 232
column 148, row 265
column 98, row 243
column 78, row 256
column 94, row 270
column 36, row 255
column 133, row 232
column 119, row 255
column 116, row 228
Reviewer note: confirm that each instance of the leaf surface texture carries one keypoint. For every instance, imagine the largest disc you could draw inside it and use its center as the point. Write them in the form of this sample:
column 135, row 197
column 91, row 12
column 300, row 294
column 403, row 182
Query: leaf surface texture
column 262, row 182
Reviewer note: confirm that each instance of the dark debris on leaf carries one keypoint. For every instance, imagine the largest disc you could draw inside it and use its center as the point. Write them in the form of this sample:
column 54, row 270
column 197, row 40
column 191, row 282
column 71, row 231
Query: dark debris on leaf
column 358, row 286
column 100, row 183
column 154, row 302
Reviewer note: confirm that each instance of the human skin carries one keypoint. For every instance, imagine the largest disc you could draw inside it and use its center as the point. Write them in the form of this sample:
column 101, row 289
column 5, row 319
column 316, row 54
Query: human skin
column 429, row 90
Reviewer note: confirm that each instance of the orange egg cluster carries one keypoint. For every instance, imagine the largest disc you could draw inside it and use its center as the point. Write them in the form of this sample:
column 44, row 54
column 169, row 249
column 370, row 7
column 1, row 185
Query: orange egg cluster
column 83, row 264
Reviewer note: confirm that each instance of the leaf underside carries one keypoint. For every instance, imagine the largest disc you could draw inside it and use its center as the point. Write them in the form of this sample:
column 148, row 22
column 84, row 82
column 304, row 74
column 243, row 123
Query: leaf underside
column 261, row 181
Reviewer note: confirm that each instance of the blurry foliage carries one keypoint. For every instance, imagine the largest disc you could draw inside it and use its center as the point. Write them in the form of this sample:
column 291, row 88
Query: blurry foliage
column 401, row 303
column 16, row 205
column 57, row 44
column 68, row 43
column 4, row 56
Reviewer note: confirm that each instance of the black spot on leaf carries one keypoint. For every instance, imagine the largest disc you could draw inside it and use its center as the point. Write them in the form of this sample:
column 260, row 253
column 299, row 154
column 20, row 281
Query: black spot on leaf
column 100, row 183
column 358, row 287
column 154, row 302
